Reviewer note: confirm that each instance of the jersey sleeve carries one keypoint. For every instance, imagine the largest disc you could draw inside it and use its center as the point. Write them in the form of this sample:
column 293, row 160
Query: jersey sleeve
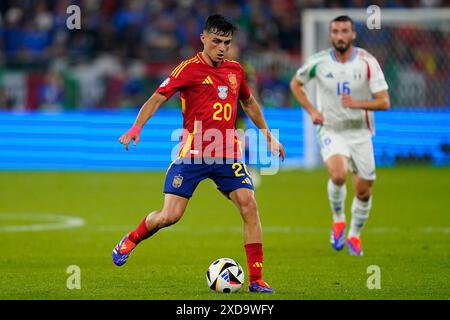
column 244, row 91
column 177, row 80
column 377, row 82
column 307, row 71
column 304, row 74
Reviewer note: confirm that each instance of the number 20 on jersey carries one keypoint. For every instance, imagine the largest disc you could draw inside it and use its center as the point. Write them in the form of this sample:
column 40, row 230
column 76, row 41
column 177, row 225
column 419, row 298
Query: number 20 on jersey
column 222, row 111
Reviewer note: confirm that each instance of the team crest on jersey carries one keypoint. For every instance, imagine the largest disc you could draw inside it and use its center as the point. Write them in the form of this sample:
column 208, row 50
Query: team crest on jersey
column 222, row 92
column 177, row 181
column 357, row 74
column 233, row 82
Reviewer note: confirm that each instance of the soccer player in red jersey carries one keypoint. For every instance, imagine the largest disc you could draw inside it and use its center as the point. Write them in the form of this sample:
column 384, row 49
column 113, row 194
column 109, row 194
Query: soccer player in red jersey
column 210, row 87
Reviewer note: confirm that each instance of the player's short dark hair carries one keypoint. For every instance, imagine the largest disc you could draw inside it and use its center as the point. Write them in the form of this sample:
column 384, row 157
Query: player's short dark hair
column 219, row 25
column 343, row 18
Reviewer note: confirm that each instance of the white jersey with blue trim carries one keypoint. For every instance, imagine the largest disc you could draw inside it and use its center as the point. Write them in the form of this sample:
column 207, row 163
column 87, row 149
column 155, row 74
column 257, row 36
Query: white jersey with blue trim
column 360, row 77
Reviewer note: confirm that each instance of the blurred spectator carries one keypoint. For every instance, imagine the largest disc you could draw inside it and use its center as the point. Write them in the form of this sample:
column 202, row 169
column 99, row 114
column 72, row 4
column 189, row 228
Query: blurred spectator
column 6, row 101
column 51, row 92
column 13, row 35
column 275, row 91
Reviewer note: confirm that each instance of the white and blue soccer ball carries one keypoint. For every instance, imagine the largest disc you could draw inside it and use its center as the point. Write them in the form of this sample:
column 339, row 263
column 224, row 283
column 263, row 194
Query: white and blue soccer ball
column 225, row 275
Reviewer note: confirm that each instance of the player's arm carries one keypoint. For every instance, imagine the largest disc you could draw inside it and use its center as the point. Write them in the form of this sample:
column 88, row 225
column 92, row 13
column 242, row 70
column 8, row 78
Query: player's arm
column 147, row 111
column 253, row 110
column 299, row 93
column 378, row 87
column 381, row 101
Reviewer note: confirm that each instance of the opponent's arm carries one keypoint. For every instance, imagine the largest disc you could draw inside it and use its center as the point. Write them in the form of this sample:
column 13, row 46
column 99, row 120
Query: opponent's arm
column 147, row 111
column 381, row 101
column 299, row 93
column 253, row 110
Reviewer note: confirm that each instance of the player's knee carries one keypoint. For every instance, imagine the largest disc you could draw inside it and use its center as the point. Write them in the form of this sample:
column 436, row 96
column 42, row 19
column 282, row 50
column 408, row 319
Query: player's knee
column 249, row 208
column 338, row 178
column 363, row 194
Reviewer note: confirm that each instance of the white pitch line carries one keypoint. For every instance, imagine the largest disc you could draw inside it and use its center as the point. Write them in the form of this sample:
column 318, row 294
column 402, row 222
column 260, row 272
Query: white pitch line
column 48, row 221
column 51, row 222
column 266, row 229
column 435, row 230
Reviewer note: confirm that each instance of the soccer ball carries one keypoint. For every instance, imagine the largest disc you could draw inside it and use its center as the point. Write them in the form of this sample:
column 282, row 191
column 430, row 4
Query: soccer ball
column 225, row 275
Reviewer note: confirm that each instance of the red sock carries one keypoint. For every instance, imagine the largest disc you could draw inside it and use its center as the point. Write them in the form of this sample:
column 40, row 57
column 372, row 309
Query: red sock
column 140, row 233
column 254, row 253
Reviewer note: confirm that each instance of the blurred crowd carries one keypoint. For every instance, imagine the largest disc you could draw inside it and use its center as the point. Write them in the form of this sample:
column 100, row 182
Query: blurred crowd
column 125, row 48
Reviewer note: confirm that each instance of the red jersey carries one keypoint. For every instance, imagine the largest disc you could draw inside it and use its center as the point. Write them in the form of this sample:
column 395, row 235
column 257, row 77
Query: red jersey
column 209, row 97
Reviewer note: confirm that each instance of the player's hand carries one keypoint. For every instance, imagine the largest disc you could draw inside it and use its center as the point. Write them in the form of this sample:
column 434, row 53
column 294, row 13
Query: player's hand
column 133, row 134
column 347, row 101
column 125, row 139
column 276, row 148
column 317, row 117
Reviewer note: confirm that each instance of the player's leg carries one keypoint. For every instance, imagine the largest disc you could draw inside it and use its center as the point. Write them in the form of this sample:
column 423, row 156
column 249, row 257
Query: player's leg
column 361, row 205
column 335, row 153
column 337, row 192
column 236, row 183
column 181, row 182
column 363, row 179
column 337, row 166
column 172, row 211
column 245, row 201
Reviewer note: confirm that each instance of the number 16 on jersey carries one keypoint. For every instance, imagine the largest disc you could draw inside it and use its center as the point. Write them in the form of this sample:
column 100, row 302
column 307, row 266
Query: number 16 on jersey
column 343, row 88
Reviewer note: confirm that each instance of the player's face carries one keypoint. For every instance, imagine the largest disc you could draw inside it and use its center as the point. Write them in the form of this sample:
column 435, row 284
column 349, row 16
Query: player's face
column 216, row 46
column 342, row 35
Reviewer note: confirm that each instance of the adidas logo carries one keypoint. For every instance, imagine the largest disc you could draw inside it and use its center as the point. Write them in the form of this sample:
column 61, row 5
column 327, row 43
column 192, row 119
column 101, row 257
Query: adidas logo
column 329, row 75
column 247, row 181
column 207, row 80
column 225, row 276
column 257, row 265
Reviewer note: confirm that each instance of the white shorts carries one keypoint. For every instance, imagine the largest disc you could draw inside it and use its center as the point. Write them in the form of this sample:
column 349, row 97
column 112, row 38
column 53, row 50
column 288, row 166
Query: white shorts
column 360, row 154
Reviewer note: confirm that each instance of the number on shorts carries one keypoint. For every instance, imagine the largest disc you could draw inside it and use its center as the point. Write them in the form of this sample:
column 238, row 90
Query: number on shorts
column 237, row 167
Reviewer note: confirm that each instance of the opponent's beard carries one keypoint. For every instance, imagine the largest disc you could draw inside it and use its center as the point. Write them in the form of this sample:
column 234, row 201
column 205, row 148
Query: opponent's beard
column 341, row 46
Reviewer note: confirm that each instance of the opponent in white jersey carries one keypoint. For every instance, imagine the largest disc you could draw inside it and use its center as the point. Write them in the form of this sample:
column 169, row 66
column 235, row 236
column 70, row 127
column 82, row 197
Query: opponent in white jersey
column 350, row 85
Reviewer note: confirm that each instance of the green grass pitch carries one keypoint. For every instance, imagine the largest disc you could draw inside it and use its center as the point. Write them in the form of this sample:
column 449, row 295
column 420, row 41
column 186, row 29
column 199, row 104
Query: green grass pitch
column 407, row 236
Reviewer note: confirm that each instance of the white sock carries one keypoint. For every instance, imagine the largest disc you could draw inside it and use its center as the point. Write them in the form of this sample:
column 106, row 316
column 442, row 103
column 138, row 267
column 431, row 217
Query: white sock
column 337, row 195
column 360, row 214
